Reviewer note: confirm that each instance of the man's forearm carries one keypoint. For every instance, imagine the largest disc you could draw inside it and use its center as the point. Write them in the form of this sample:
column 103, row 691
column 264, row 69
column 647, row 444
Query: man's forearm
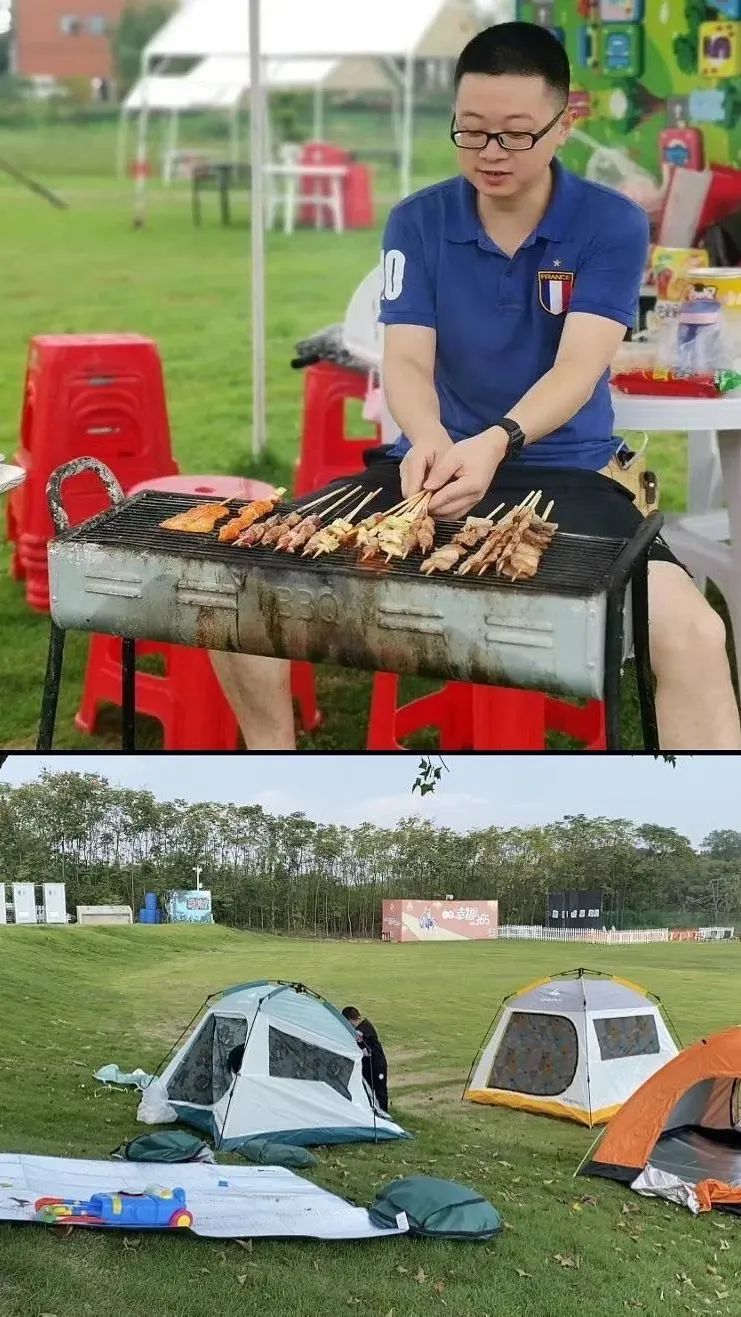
column 411, row 398
column 552, row 402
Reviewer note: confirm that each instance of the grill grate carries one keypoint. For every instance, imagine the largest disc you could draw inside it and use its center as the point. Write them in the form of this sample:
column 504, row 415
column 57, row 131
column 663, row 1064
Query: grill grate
column 575, row 565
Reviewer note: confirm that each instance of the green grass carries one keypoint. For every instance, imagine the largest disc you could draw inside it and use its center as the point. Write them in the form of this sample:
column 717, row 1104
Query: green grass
column 79, row 998
column 87, row 270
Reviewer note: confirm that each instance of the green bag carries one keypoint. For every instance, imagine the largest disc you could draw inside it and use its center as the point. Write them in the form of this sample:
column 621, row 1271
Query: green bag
column 268, row 1153
column 165, row 1146
column 436, row 1209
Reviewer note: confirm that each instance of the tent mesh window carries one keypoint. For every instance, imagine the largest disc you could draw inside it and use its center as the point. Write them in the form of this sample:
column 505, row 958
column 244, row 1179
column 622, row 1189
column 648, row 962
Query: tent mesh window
column 538, row 1054
column 627, row 1035
column 204, row 1076
column 292, row 1058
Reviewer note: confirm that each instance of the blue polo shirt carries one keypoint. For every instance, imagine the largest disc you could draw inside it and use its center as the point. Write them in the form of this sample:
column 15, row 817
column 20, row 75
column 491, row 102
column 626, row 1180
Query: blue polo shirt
column 499, row 319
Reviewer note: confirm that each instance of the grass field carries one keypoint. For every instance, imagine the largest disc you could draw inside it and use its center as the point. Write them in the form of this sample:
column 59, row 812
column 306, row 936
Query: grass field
column 86, row 269
column 80, row 998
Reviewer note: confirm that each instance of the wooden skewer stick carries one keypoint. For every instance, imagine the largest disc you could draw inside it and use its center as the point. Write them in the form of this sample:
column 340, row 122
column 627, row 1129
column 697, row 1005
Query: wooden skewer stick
column 493, row 513
column 548, row 511
column 304, row 507
column 368, row 499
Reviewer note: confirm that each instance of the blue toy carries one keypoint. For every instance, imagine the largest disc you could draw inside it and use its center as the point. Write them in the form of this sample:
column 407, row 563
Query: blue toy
column 159, row 1209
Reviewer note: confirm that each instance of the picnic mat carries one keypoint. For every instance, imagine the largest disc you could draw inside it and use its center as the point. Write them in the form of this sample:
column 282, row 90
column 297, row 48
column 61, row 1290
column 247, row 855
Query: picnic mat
column 222, row 1202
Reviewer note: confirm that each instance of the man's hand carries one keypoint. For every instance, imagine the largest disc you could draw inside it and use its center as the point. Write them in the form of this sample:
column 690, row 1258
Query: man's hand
column 420, row 460
column 463, row 475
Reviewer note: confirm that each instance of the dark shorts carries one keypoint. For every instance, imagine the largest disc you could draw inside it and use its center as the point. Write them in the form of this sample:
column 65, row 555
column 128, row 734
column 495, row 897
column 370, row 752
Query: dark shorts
column 586, row 502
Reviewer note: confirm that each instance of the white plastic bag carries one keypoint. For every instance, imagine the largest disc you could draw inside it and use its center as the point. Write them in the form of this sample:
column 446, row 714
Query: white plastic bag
column 154, row 1109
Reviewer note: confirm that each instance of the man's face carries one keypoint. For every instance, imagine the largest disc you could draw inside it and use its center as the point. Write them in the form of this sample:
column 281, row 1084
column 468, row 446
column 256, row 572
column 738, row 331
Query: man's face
column 514, row 104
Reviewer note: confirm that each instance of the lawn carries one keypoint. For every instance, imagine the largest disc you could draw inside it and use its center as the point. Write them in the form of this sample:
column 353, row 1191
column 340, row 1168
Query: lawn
column 79, row 998
column 86, row 269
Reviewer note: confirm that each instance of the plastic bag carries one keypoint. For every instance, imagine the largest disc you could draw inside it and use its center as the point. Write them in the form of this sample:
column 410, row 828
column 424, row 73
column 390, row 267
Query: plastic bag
column 154, row 1109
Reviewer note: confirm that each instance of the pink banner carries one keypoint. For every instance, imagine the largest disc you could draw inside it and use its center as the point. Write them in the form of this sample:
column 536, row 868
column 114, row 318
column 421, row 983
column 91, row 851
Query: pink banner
column 439, row 921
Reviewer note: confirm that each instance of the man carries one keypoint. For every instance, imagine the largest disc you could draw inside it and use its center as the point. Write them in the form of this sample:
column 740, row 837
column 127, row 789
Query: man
column 506, row 293
column 375, row 1066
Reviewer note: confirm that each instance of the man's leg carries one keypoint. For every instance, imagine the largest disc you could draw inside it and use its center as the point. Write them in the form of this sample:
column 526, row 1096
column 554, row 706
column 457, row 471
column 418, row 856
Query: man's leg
column 259, row 691
column 695, row 703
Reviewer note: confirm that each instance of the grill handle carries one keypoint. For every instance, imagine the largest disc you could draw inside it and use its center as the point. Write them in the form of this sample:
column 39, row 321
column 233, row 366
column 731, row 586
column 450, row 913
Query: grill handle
column 75, row 468
column 634, row 550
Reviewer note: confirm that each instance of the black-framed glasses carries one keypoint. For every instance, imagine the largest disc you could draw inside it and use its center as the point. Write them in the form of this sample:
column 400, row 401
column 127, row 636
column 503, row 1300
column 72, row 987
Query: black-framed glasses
column 475, row 139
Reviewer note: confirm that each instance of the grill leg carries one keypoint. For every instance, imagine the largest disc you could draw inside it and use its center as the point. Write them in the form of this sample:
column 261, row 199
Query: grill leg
column 52, row 682
column 128, row 695
column 644, row 675
column 613, row 663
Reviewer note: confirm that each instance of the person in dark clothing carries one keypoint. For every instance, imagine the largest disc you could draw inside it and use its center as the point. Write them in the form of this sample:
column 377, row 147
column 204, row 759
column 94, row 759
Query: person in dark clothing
column 375, row 1065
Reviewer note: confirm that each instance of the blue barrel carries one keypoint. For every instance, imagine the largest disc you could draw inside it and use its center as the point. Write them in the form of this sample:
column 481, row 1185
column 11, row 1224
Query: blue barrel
column 150, row 901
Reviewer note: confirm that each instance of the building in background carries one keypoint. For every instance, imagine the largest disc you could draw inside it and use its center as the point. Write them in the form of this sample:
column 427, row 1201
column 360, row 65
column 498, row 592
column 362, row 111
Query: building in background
column 63, row 40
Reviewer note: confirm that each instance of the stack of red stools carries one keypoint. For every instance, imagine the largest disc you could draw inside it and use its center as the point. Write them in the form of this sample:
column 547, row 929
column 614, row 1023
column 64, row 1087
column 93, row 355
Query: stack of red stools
column 327, row 451
column 185, row 697
column 91, row 395
column 357, row 188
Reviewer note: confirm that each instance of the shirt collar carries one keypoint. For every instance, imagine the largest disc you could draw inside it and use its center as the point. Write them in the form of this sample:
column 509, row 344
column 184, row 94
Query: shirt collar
column 462, row 223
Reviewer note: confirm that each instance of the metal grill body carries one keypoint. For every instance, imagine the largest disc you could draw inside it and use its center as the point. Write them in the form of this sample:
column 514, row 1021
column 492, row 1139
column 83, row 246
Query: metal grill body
column 121, row 574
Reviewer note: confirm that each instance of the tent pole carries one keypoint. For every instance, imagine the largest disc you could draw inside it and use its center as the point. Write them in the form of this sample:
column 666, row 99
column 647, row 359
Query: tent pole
column 170, row 147
column 140, row 189
column 407, row 126
column 257, row 225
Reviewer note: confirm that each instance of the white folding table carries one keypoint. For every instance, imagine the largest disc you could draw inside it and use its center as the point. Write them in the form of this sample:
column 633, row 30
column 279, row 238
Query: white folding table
column 293, row 177
column 707, row 537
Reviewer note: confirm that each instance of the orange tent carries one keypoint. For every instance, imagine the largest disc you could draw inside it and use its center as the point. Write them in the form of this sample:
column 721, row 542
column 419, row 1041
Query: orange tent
column 683, row 1125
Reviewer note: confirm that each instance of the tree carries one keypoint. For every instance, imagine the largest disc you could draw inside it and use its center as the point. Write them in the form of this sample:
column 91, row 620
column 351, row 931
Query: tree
column 136, row 27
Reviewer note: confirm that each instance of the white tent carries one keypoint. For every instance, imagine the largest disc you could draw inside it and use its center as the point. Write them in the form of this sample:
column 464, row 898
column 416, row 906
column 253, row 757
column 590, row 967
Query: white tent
column 385, row 30
column 299, row 1078
column 223, row 83
column 575, row 1045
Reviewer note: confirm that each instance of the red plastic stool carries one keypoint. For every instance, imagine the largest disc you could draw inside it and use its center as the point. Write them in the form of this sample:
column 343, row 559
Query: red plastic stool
column 187, row 700
column 85, row 395
column 470, row 717
column 217, row 487
column 327, row 452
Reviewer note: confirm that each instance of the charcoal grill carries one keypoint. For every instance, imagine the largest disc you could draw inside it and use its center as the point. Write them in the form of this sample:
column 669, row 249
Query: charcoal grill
column 567, row 631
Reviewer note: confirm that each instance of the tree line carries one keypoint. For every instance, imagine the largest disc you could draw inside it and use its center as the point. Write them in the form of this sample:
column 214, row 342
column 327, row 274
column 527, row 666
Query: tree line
column 292, row 875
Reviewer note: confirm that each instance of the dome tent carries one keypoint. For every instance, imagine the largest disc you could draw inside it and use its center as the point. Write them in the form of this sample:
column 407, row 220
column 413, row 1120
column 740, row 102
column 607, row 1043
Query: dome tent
column 679, row 1136
column 299, row 1078
column 576, row 1045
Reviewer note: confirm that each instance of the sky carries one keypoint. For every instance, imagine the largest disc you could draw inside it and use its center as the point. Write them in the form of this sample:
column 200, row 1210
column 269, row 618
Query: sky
column 700, row 794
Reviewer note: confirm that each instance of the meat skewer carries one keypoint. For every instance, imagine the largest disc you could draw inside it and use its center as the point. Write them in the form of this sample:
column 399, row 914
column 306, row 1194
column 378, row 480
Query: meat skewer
column 525, row 559
column 200, row 520
column 497, row 538
column 391, row 533
column 505, row 548
column 473, row 532
column 295, row 537
column 340, row 533
column 250, row 513
column 258, row 534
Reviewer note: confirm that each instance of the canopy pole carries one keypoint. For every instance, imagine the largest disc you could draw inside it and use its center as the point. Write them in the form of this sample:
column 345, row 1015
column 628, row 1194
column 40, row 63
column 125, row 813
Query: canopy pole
column 407, row 126
column 122, row 143
column 140, row 188
column 257, row 226
column 171, row 146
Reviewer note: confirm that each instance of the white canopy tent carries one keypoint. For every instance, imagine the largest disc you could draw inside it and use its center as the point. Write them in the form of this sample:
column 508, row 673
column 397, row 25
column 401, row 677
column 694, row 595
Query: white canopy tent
column 223, row 83
column 261, row 30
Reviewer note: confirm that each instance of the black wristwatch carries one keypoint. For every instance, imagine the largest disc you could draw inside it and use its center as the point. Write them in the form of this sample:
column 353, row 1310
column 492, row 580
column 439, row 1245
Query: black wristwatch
column 515, row 437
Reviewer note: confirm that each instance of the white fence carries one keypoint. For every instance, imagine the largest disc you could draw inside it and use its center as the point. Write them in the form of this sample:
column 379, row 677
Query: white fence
column 614, row 936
